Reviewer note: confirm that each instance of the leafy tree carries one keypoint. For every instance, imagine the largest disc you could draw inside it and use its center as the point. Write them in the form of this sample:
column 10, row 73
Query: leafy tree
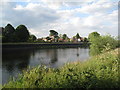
column 53, row 33
column 1, row 31
column 8, row 33
column 22, row 34
column 96, row 46
column 9, row 29
column 64, row 36
column 32, row 38
column 77, row 36
column 85, row 39
column 60, row 35
column 93, row 35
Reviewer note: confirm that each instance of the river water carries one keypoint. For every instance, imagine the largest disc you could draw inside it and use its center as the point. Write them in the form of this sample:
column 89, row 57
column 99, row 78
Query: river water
column 14, row 61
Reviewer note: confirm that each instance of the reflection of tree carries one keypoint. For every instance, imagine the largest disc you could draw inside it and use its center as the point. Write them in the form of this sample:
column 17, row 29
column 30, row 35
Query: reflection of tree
column 54, row 56
column 13, row 59
column 77, row 52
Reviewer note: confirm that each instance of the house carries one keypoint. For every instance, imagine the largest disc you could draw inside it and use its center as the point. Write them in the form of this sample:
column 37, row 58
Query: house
column 44, row 39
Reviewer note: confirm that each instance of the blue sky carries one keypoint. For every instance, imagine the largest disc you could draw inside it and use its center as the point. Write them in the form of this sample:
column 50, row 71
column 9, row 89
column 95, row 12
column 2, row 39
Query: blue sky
column 68, row 17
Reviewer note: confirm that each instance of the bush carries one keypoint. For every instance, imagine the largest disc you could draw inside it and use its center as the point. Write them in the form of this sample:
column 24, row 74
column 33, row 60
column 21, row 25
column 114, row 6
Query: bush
column 100, row 71
column 101, row 44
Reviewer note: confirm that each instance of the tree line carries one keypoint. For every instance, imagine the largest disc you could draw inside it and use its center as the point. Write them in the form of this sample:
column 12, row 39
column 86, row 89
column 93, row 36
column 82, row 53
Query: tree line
column 20, row 34
column 98, row 45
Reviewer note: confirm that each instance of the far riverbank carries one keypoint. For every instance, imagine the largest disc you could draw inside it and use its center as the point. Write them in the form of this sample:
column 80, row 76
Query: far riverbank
column 43, row 45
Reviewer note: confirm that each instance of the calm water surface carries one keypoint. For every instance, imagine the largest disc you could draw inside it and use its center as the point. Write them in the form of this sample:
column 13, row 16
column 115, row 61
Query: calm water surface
column 14, row 61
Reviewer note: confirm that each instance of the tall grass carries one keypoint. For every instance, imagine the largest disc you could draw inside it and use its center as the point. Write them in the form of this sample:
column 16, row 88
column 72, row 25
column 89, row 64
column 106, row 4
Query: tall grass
column 100, row 71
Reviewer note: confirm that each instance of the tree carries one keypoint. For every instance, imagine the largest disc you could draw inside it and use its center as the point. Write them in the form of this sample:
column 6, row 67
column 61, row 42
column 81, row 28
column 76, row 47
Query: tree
column 32, row 38
column 8, row 33
column 1, row 31
column 53, row 33
column 64, row 36
column 85, row 39
column 101, row 44
column 22, row 34
column 77, row 36
column 93, row 35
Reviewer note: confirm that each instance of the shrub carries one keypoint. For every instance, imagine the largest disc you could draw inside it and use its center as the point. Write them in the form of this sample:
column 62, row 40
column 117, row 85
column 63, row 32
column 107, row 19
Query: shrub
column 101, row 44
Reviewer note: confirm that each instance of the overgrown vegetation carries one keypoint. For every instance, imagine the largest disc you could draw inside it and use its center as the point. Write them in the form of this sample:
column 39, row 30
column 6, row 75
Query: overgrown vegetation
column 101, row 71
column 100, row 44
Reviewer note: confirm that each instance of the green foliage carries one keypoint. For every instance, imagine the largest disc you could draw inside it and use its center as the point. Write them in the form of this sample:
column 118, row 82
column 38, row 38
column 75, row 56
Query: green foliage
column 85, row 39
column 100, row 71
column 1, row 31
column 118, row 43
column 0, row 86
column 93, row 35
column 22, row 34
column 64, row 36
column 77, row 36
column 118, row 38
column 109, row 42
column 32, row 38
column 101, row 44
column 96, row 45
column 8, row 33
column 53, row 33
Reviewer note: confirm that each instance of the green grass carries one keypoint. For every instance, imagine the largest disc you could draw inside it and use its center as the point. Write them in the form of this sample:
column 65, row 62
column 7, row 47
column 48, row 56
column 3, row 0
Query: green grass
column 99, row 71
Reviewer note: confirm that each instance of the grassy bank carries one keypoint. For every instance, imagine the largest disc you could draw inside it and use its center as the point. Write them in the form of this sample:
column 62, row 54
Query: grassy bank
column 99, row 71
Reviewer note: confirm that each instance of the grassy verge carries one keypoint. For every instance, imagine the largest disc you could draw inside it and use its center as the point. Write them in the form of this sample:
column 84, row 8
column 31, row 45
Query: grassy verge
column 100, row 71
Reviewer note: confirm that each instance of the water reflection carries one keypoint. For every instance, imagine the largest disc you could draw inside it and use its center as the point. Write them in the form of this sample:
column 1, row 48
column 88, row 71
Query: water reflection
column 14, row 61
column 54, row 56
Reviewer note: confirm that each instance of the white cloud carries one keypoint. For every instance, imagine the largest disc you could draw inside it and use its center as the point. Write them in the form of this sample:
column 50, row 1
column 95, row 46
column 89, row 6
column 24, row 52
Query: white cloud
column 64, row 17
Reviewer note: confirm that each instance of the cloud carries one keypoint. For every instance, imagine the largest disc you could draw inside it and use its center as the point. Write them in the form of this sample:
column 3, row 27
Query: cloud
column 32, row 15
column 67, row 17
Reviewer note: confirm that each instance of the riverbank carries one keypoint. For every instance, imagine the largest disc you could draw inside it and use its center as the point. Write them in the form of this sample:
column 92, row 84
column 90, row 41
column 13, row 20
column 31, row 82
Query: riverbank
column 43, row 45
column 99, row 71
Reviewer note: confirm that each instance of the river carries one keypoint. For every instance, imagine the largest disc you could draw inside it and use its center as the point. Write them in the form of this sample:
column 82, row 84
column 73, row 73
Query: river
column 14, row 61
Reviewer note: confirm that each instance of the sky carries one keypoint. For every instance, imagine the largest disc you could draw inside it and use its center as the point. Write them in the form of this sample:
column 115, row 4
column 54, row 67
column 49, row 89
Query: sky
column 64, row 16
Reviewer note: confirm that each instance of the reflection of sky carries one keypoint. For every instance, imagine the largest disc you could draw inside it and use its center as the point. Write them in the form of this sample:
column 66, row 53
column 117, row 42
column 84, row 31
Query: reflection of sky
column 58, row 57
